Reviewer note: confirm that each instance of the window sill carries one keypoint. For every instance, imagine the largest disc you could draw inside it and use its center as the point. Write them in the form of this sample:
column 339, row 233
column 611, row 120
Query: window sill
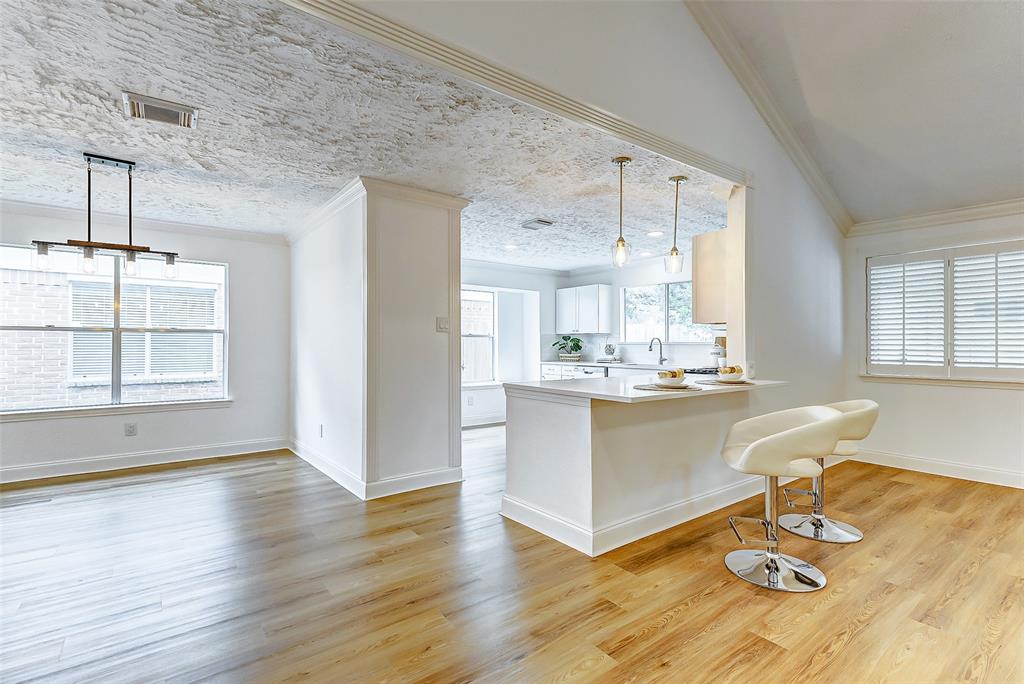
column 946, row 382
column 113, row 410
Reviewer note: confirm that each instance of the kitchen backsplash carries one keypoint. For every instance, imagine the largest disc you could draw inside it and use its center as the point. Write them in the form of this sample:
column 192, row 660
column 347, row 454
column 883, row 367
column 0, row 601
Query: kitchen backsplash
column 688, row 355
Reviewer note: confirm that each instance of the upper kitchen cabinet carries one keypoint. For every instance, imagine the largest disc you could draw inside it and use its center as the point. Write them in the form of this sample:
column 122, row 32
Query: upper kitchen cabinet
column 585, row 309
column 710, row 282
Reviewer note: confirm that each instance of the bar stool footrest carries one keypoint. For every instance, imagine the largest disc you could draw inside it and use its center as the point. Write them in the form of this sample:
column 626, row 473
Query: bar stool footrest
column 786, row 491
column 770, row 542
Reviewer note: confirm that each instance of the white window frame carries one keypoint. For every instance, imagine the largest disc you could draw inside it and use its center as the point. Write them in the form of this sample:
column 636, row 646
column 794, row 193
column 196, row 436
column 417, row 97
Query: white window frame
column 948, row 371
column 493, row 336
column 115, row 331
column 666, row 325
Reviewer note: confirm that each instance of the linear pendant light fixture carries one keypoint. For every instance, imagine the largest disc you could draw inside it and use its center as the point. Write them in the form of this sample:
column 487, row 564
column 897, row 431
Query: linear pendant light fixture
column 674, row 260
column 620, row 248
column 89, row 246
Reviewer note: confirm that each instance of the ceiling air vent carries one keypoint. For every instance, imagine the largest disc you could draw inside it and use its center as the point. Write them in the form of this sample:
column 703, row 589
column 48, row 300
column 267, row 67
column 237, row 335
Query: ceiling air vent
column 538, row 223
column 143, row 107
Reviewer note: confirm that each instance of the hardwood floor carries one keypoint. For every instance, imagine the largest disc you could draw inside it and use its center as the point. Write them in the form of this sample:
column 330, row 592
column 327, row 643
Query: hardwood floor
column 263, row 570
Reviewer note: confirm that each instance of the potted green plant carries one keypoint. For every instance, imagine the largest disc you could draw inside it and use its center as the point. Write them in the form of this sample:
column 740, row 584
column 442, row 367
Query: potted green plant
column 569, row 348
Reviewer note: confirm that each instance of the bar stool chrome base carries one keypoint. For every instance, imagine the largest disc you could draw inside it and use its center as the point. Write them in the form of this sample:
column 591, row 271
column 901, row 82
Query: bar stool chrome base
column 820, row 528
column 779, row 572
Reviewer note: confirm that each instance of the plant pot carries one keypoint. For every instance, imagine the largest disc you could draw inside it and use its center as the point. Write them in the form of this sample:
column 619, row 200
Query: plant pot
column 570, row 357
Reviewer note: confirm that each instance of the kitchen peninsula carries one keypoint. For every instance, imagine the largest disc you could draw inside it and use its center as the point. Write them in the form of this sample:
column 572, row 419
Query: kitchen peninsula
column 596, row 463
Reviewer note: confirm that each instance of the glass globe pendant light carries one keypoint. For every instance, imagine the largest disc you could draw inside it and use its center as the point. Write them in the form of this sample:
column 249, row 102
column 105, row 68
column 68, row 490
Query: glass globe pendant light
column 674, row 260
column 620, row 248
column 131, row 266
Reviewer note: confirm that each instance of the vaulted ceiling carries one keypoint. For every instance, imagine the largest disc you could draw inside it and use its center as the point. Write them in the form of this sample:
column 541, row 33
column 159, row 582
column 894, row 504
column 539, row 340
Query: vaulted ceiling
column 906, row 107
column 291, row 108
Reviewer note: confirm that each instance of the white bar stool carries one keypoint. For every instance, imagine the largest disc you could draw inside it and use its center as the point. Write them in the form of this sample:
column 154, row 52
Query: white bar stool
column 859, row 416
column 783, row 443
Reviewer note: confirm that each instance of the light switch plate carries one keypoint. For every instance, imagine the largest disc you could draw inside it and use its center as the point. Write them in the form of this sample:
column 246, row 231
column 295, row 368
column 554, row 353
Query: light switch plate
column 442, row 324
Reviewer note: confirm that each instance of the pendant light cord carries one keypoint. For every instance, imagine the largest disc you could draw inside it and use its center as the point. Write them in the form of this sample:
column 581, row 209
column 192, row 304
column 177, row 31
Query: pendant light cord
column 675, row 218
column 130, row 204
column 621, row 165
column 88, row 201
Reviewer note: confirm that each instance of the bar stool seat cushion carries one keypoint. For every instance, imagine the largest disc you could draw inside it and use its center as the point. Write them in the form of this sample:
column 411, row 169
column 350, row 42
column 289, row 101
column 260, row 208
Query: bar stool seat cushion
column 783, row 443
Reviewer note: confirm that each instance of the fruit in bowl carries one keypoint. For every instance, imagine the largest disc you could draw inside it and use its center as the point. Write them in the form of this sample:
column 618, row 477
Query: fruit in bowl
column 672, row 378
column 734, row 373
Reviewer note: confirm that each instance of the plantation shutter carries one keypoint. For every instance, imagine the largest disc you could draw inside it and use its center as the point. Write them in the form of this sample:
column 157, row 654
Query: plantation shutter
column 988, row 311
column 906, row 315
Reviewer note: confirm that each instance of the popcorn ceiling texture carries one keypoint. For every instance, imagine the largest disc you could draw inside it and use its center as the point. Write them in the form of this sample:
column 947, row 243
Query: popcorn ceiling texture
column 291, row 109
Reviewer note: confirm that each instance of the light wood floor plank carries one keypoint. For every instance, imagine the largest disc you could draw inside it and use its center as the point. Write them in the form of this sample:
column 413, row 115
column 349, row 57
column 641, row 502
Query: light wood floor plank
column 261, row 569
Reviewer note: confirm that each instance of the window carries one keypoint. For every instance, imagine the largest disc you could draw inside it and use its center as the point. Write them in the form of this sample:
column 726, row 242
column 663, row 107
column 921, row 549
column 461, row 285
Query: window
column 951, row 313
column 664, row 311
column 63, row 343
column 477, row 336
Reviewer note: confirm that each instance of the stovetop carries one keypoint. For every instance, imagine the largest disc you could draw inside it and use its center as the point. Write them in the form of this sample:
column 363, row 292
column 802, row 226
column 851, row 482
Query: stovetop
column 702, row 371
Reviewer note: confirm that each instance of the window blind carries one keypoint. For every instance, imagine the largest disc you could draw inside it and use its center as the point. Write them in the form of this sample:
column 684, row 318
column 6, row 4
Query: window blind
column 948, row 313
column 906, row 315
column 988, row 311
column 145, row 356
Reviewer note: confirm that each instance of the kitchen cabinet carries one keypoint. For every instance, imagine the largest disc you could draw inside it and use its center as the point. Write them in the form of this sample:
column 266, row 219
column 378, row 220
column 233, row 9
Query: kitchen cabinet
column 709, row 278
column 585, row 309
column 554, row 371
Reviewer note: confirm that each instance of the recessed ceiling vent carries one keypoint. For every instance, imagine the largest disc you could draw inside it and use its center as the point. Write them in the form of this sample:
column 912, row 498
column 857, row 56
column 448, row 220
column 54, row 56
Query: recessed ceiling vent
column 144, row 107
column 538, row 223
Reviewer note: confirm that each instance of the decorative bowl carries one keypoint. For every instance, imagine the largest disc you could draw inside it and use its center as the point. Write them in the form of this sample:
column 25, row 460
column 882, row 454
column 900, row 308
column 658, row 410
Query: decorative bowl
column 672, row 378
column 730, row 373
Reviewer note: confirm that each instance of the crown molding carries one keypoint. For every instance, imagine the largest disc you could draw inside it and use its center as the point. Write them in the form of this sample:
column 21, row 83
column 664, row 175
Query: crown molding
column 71, row 213
column 975, row 212
column 358, row 188
column 751, row 82
column 352, row 191
column 514, row 268
column 411, row 194
column 427, row 49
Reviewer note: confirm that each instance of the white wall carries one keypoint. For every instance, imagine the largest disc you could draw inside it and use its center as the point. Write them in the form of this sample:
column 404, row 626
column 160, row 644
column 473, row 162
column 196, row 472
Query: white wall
column 969, row 432
column 373, row 272
column 258, row 348
column 329, row 338
column 517, row 332
column 668, row 79
column 541, row 280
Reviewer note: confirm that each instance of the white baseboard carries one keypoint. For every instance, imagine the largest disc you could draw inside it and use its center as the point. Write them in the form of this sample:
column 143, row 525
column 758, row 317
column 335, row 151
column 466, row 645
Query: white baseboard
column 136, row 459
column 407, row 483
column 480, row 421
column 349, row 481
column 604, row 539
column 629, row 530
column 559, row 529
column 374, row 490
column 961, row 471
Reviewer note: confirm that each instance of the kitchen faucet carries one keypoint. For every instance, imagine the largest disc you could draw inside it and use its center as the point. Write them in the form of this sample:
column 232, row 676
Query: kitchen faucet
column 661, row 350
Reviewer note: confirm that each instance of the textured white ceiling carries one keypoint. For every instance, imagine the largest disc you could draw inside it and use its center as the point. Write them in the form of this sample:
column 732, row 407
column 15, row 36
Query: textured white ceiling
column 290, row 110
column 907, row 107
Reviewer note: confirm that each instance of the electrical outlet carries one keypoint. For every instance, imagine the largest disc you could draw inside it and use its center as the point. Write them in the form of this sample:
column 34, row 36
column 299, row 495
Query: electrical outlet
column 131, row 429
column 469, row 400
column 442, row 324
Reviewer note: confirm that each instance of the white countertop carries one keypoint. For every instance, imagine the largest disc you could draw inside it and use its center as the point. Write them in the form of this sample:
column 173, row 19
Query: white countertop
column 621, row 389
